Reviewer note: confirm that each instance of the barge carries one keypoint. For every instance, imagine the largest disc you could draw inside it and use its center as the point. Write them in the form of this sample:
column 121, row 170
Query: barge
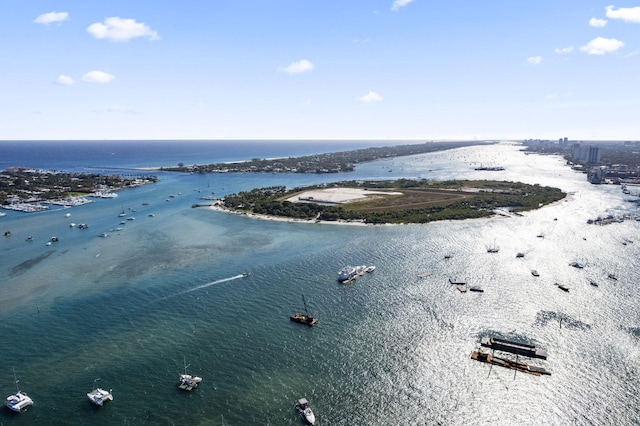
column 506, row 363
column 513, row 347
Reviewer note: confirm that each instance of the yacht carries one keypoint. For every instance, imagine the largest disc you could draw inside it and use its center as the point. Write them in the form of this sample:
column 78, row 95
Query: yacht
column 18, row 401
column 303, row 407
column 99, row 396
column 187, row 381
column 347, row 273
column 361, row 269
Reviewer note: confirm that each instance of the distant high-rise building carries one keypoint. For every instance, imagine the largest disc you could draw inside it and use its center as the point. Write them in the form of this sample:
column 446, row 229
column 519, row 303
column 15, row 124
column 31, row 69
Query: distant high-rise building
column 585, row 154
column 593, row 155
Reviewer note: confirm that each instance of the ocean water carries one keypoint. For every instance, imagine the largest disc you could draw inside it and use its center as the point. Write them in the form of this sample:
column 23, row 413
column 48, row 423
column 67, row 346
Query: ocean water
column 390, row 348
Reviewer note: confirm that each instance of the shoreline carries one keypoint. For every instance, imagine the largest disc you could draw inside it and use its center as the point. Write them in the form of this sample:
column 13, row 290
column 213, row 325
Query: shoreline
column 217, row 207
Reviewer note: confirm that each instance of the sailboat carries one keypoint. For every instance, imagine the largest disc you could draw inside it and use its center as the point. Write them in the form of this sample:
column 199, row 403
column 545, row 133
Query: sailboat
column 493, row 249
column 187, row 381
column 99, row 396
column 305, row 318
column 18, row 401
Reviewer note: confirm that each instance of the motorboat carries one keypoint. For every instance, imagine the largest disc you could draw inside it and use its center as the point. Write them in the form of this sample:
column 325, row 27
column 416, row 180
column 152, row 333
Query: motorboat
column 98, row 395
column 370, row 268
column 303, row 407
column 187, row 381
column 18, row 401
column 347, row 273
column 535, row 273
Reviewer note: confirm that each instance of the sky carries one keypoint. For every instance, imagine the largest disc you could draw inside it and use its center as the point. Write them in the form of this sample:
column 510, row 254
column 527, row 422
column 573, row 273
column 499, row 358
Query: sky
column 319, row 69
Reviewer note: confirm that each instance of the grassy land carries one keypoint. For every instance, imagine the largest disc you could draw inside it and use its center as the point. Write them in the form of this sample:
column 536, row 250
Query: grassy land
column 418, row 202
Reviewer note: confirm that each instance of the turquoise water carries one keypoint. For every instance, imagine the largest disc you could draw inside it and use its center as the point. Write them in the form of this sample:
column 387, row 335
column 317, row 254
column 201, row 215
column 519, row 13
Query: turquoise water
column 390, row 348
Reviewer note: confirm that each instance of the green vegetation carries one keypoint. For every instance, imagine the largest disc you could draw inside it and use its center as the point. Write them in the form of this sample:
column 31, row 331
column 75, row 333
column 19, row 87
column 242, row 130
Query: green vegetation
column 420, row 201
column 334, row 162
column 47, row 185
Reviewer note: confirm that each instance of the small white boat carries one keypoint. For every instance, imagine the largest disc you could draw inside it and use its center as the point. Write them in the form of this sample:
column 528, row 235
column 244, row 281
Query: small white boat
column 303, row 407
column 19, row 401
column 187, row 381
column 99, row 396
column 370, row 268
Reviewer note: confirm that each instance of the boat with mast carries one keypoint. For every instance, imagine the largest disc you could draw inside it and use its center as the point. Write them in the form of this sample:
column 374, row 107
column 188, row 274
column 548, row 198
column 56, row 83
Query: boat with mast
column 19, row 401
column 187, row 381
column 98, row 395
column 305, row 318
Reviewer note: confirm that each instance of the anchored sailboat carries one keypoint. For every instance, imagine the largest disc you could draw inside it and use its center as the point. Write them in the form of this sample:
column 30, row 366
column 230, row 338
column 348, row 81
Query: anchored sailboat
column 187, row 381
column 18, row 401
column 305, row 318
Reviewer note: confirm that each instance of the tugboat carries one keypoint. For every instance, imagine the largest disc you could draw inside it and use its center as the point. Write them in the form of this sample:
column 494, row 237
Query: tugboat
column 303, row 407
column 99, row 396
column 305, row 318
column 187, row 381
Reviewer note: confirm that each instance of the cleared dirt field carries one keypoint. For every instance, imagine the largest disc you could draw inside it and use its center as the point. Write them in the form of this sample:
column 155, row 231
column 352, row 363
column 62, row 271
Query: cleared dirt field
column 360, row 199
column 411, row 199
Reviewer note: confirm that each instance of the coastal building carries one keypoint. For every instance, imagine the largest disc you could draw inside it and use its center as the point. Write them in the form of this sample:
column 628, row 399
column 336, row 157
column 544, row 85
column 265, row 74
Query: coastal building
column 586, row 153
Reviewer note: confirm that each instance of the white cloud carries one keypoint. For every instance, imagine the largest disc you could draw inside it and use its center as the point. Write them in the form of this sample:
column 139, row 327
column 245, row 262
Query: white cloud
column 534, row 60
column 600, row 46
column 558, row 95
column 627, row 14
column 370, row 97
column 122, row 110
column 120, row 29
column 297, row 67
column 65, row 80
column 397, row 4
column 98, row 77
column 48, row 18
column 563, row 50
column 598, row 23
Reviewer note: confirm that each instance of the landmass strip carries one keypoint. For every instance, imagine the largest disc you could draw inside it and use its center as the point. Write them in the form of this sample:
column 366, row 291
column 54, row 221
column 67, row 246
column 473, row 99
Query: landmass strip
column 400, row 201
column 334, row 162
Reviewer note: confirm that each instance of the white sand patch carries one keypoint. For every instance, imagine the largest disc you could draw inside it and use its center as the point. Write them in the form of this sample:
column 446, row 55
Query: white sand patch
column 337, row 195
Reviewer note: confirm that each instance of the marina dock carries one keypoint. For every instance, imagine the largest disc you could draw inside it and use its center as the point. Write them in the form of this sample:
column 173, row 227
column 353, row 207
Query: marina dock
column 513, row 347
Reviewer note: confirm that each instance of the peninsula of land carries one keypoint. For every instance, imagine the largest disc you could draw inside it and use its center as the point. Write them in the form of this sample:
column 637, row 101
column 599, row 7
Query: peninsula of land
column 334, row 162
column 400, row 201
column 30, row 190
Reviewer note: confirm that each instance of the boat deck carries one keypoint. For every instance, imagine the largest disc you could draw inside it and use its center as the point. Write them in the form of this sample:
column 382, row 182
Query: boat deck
column 513, row 347
column 512, row 365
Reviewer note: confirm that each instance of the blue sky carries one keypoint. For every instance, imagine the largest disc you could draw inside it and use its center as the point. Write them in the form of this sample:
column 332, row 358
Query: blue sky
column 323, row 69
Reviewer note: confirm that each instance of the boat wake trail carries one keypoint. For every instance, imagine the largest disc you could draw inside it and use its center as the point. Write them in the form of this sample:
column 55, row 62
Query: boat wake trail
column 223, row 280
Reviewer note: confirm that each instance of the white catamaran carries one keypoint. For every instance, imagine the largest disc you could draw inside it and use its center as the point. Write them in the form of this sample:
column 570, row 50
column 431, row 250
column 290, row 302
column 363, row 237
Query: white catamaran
column 18, row 401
